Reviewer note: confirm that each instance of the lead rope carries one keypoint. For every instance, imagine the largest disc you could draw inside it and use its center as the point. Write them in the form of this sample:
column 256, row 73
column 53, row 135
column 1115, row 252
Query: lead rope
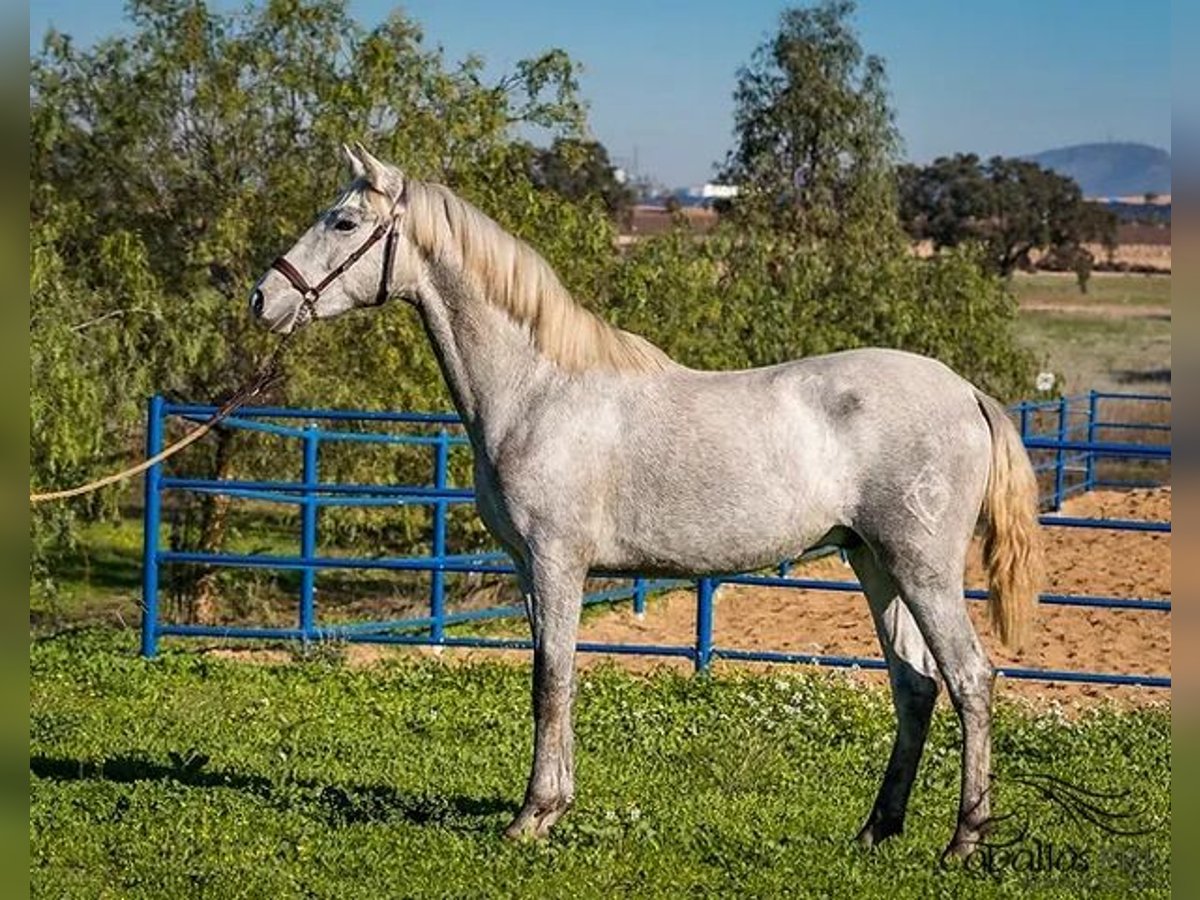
column 264, row 378
column 267, row 373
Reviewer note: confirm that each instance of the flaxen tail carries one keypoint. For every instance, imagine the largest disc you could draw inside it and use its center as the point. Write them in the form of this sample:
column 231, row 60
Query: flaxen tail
column 1012, row 550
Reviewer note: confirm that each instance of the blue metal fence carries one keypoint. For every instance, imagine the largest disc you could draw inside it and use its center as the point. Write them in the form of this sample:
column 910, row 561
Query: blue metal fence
column 1071, row 441
column 1067, row 463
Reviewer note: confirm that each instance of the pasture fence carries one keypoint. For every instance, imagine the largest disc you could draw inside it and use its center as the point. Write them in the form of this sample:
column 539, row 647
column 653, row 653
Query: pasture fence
column 1078, row 444
column 1072, row 441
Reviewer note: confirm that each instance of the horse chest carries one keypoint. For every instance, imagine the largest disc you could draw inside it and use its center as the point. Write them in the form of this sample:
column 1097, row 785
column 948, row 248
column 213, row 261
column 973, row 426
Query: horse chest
column 495, row 510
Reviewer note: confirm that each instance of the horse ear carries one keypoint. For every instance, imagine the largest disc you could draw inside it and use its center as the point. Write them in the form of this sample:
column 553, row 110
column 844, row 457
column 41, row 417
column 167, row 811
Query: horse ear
column 382, row 177
column 357, row 169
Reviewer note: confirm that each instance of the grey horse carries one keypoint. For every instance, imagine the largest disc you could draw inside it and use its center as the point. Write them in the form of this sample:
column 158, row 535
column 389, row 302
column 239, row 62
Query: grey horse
column 595, row 452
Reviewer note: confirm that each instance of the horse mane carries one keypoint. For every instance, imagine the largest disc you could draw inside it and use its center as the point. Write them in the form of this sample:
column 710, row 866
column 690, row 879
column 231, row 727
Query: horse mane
column 515, row 278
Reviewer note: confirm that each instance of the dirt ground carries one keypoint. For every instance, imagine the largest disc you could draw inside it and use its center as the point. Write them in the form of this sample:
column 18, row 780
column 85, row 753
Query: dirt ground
column 1079, row 561
column 1156, row 256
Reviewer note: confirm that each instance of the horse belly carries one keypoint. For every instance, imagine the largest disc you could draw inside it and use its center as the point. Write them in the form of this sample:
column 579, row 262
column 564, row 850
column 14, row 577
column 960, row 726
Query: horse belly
column 717, row 521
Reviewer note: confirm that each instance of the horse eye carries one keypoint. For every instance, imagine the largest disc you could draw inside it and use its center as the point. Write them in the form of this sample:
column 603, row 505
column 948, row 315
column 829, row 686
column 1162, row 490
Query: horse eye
column 345, row 224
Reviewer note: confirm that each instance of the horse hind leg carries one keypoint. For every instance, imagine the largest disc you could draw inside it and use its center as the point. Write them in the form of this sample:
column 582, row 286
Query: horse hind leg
column 934, row 597
column 911, row 670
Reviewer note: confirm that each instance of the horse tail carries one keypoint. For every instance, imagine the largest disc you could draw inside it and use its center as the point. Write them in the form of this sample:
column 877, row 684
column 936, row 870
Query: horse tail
column 1012, row 551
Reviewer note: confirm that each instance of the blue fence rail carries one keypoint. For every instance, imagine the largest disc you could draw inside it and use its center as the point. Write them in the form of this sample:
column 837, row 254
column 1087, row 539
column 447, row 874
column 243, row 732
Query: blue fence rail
column 1069, row 439
column 1076, row 441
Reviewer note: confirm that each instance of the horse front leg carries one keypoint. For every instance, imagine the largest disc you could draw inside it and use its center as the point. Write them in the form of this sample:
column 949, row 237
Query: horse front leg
column 557, row 597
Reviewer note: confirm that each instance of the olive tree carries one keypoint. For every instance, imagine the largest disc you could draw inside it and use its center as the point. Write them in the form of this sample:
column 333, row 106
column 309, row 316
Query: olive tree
column 814, row 135
column 169, row 165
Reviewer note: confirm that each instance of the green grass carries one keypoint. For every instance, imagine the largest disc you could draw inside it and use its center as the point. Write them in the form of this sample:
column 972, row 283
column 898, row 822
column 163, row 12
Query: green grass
column 1104, row 351
column 193, row 776
column 104, row 572
column 1103, row 288
column 100, row 583
column 1130, row 354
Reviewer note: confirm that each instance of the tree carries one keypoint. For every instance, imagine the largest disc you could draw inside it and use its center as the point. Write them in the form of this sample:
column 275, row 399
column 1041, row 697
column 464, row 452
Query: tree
column 812, row 257
column 1098, row 223
column 1011, row 206
column 815, row 140
column 940, row 201
column 580, row 171
column 753, row 297
column 1082, row 264
column 168, row 167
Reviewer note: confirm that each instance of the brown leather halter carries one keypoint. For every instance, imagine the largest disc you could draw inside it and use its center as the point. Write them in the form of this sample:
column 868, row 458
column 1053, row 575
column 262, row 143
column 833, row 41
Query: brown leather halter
column 310, row 294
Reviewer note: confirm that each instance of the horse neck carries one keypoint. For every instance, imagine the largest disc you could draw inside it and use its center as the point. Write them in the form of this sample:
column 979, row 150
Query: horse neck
column 490, row 363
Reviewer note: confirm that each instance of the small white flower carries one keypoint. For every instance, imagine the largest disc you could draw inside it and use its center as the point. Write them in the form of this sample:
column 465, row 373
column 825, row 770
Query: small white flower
column 1045, row 381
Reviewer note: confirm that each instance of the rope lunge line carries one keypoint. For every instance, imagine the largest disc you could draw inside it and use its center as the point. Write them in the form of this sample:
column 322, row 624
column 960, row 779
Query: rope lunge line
column 266, row 376
column 305, row 312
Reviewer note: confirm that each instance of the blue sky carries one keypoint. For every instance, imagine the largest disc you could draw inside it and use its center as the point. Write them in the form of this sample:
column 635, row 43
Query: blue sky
column 1008, row 77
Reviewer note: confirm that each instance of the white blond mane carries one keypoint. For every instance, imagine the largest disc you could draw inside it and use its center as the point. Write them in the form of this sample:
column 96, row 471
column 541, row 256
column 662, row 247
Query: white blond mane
column 515, row 278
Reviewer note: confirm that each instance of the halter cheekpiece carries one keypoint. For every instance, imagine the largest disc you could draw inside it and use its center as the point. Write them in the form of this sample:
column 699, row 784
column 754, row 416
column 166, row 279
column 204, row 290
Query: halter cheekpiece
column 310, row 294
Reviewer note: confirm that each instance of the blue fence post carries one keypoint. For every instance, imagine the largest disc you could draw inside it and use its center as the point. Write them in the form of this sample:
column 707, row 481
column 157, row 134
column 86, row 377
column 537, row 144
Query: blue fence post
column 1090, row 465
column 437, row 584
column 1059, row 455
column 1023, row 410
column 308, row 531
column 151, row 517
column 639, row 597
column 308, row 496
column 704, row 623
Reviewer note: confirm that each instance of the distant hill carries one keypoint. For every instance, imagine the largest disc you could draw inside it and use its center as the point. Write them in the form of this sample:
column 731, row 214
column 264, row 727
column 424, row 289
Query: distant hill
column 1112, row 169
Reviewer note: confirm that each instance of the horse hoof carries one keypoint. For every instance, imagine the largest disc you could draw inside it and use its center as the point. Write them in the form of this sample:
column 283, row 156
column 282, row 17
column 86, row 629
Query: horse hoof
column 518, row 829
column 960, row 848
column 875, row 833
column 534, row 823
column 520, row 832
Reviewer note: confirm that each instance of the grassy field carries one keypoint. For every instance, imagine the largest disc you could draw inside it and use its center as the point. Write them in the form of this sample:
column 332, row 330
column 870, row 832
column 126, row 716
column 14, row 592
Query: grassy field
column 1117, row 338
column 1109, row 354
column 198, row 776
column 1104, row 289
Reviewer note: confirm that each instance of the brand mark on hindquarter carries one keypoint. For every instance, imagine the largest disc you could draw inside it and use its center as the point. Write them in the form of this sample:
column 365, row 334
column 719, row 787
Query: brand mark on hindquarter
column 928, row 496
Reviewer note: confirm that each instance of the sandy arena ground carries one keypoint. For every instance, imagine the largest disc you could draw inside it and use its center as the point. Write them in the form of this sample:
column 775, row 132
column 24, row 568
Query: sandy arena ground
column 1079, row 561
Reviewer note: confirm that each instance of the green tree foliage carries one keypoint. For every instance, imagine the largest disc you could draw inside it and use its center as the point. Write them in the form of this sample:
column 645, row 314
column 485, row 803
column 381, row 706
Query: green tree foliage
column 581, row 171
column 1010, row 206
column 815, row 140
column 813, row 258
column 170, row 165
column 213, row 141
column 737, row 299
column 86, row 336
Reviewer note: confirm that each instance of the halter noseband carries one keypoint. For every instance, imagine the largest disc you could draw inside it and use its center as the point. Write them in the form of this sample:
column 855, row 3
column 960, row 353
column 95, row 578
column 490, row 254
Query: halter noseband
column 309, row 294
